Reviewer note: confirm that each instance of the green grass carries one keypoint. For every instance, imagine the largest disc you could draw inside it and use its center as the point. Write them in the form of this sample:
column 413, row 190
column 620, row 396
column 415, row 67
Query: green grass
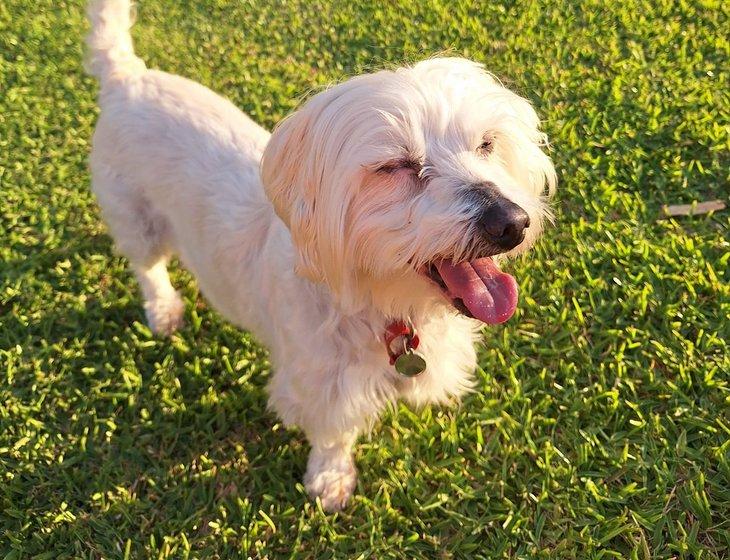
column 601, row 428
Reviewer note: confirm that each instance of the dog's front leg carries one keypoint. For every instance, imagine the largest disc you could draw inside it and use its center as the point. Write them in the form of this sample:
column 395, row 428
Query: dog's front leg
column 332, row 409
column 331, row 473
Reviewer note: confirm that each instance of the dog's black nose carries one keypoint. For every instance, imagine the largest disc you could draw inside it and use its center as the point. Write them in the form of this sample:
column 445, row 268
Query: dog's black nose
column 504, row 223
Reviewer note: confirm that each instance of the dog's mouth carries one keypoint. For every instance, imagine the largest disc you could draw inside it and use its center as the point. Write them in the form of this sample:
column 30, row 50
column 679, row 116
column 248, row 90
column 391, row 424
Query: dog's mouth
column 477, row 288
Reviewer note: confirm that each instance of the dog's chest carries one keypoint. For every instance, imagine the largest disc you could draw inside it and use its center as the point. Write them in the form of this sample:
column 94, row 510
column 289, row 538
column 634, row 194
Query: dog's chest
column 447, row 348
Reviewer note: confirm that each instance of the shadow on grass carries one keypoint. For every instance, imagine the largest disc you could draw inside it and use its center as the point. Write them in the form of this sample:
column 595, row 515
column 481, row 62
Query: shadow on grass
column 134, row 435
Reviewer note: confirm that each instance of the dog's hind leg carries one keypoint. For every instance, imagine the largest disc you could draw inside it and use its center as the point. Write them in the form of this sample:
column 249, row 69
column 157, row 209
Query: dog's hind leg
column 142, row 234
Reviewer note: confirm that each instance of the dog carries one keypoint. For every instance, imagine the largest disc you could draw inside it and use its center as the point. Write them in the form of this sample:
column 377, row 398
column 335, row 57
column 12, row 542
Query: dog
column 360, row 241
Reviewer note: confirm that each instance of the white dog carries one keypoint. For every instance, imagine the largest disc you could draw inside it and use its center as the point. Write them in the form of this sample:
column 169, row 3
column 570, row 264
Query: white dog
column 364, row 231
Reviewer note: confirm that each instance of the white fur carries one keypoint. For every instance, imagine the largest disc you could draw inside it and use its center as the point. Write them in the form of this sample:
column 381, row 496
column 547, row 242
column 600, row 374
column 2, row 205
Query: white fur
column 318, row 274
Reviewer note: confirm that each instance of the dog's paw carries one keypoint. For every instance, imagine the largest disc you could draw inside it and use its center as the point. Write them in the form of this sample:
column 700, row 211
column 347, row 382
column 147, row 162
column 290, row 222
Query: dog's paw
column 165, row 315
column 333, row 484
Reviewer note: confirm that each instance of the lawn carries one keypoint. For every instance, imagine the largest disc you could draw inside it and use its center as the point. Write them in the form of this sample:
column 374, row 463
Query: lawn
column 601, row 424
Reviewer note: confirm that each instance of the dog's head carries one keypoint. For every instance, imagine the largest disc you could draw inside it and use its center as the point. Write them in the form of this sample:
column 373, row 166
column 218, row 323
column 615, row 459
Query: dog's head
column 402, row 184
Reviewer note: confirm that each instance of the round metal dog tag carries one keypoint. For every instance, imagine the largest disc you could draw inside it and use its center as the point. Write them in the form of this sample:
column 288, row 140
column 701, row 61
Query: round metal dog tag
column 410, row 364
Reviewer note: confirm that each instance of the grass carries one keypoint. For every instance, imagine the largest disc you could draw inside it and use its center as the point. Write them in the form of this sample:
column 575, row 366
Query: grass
column 602, row 425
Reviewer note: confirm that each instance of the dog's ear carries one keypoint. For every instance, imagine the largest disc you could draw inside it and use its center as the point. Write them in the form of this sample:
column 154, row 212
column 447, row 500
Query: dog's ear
column 281, row 168
column 307, row 194
column 290, row 185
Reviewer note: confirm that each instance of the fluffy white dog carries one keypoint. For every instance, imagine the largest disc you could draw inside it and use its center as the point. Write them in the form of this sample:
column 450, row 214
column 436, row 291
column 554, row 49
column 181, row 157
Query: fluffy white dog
column 364, row 231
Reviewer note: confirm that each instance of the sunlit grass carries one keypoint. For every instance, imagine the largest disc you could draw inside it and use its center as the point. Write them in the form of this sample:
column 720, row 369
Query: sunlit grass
column 602, row 422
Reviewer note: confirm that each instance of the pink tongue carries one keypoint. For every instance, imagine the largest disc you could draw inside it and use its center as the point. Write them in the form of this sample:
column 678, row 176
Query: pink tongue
column 489, row 294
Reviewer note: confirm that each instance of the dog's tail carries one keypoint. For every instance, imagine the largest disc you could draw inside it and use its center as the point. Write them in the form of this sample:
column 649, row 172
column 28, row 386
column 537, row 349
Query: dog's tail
column 111, row 53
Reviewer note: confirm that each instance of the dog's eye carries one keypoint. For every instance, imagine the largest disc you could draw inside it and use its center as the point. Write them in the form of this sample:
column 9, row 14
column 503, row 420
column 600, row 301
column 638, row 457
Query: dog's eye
column 485, row 148
column 398, row 165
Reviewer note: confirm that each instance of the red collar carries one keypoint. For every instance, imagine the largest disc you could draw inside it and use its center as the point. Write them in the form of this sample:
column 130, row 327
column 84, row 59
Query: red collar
column 396, row 330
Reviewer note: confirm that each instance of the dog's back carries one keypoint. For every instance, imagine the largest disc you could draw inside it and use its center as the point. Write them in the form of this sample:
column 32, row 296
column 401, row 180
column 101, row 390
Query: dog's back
column 165, row 121
column 175, row 168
